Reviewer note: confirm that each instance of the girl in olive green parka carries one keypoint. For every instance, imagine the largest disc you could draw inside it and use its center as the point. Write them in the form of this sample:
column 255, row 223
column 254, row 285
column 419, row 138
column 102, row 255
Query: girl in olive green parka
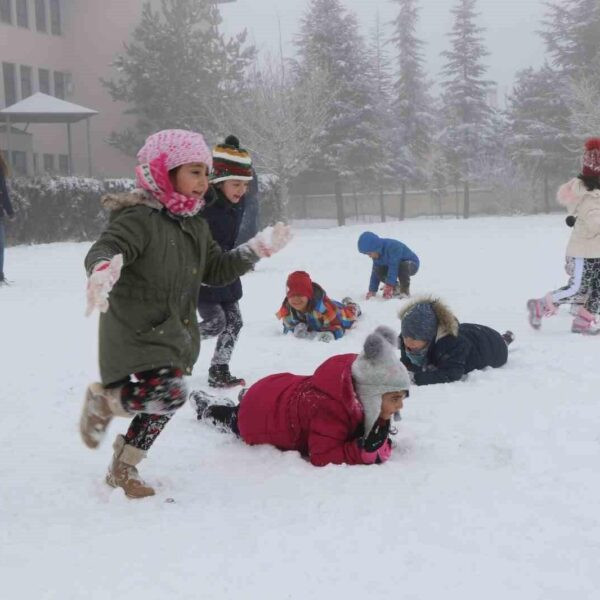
column 152, row 258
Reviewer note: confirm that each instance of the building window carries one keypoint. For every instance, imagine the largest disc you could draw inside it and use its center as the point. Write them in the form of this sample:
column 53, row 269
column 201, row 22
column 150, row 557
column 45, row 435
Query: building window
column 44, row 81
column 49, row 163
column 55, row 24
column 22, row 13
column 41, row 21
column 26, row 87
column 10, row 84
column 19, row 162
column 63, row 164
column 59, row 84
column 6, row 11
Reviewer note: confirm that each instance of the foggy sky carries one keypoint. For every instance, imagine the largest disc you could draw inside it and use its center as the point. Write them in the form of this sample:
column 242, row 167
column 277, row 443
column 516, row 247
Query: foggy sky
column 510, row 35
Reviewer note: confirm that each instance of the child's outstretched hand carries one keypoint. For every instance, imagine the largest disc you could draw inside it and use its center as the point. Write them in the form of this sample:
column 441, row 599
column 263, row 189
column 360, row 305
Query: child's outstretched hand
column 104, row 276
column 263, row 247
column 388, row 291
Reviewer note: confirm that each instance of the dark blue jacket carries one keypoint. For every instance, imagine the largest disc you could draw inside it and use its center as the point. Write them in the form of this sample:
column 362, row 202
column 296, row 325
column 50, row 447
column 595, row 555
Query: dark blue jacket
column 251, row 221
column 391, row 254
column 224, row 219
column 455, row 354
column 5, row 205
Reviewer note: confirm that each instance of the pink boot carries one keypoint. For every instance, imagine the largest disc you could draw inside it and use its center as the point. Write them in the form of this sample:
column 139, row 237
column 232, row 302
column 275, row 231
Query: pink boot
column 540, row 307
column 585, row 323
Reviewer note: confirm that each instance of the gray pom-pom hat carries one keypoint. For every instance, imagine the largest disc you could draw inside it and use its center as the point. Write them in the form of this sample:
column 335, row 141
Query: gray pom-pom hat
column 378, row 370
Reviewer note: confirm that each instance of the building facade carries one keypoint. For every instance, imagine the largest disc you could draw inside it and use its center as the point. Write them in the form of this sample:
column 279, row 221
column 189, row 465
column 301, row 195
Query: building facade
column 63, row 48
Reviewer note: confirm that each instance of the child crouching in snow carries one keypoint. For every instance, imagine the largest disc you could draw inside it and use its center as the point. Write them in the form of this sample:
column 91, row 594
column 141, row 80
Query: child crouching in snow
column 340, row 414
column 393, row 263
column 582, row 196
column 152, row 258
column 436, row 348
column 308, row 312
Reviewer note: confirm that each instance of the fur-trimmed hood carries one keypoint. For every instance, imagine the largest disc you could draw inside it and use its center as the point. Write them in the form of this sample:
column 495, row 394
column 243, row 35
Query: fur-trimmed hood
column 571, row 194
column 447, row 321
column 127, row 199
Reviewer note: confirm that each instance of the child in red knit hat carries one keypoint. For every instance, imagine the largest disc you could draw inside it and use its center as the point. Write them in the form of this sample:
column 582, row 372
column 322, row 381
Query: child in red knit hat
column 309, row 313
column 582, row 196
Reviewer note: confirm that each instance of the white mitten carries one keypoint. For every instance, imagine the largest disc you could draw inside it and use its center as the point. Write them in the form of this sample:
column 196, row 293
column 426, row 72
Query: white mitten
column 270, row 240
column 326, row 336
column 104, row 276
column 301, row 331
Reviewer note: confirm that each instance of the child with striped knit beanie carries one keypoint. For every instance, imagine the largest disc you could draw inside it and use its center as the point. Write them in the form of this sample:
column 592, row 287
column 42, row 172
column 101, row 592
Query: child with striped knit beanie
column 144, row 274
column 224, row 211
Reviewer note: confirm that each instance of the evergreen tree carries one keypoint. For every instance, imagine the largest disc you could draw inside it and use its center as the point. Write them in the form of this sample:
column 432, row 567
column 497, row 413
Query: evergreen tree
column 466, row 111
column 385, row 167
column 412, row 106
column 538, row 125
column 329, row 40
column 572, row 35
column 178, row 71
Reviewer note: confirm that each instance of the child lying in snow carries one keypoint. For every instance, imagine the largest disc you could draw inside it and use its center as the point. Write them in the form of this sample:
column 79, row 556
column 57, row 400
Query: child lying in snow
column 436, row 348
column 308, row 312
column 340, row 414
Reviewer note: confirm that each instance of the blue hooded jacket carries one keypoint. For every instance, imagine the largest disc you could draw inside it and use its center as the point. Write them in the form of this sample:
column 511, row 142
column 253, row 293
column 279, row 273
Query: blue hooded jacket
column 391, row 254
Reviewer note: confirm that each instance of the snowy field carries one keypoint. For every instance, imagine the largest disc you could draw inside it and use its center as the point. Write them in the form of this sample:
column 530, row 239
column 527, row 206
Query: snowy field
column 492, row 491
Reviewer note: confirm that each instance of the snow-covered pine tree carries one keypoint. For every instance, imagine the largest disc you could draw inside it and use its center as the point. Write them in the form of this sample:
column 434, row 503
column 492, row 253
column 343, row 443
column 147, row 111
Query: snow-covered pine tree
column 178, row 71
column 465, row 108
column 382, row 80
column 572, row 36
column 329, row 40
column 412, row 106
column 538, row 125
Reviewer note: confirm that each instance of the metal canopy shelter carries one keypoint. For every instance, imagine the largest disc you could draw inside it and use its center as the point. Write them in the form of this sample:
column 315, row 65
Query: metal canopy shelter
column 42, row 108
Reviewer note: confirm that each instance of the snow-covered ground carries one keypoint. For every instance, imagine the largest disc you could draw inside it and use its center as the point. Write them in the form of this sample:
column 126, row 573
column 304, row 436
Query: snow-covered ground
column 492, row 491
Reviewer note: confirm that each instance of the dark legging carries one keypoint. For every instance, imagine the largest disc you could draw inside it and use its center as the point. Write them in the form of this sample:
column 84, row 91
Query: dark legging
column 225, row 320
column 153, row 398
column 406, row 269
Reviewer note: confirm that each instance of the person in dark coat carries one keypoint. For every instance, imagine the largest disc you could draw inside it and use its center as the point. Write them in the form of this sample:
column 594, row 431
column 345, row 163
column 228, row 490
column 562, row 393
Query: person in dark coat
column 219, row 306
column 436, row 348
column 5, row 209
column 339, row 414
column 251, row 221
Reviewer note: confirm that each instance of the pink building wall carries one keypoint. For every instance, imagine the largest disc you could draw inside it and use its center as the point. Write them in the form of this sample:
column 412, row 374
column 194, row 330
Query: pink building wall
column 93, row 33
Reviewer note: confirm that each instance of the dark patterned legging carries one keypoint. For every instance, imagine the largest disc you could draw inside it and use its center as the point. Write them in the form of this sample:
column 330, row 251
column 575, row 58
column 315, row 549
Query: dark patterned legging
column 153, row 398
column 225, row 320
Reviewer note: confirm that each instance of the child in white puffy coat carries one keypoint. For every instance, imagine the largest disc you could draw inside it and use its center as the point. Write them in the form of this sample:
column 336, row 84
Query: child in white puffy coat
column 581, row 196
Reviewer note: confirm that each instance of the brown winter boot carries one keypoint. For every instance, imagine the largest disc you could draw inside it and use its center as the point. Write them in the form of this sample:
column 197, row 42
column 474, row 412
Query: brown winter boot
column 122, row 472
column 99, row 407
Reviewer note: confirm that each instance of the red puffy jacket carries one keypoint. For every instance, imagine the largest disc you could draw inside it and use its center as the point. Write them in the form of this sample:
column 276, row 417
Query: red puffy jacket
column 318, row 415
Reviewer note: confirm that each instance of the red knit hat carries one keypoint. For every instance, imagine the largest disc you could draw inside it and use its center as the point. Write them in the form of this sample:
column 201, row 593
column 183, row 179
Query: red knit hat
column 299, row 284
column 591, row 158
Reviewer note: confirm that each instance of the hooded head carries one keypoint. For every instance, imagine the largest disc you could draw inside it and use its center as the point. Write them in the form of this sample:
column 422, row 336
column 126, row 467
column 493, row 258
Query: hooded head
column 369, row 242
column 378, row 370
column 164, row 151
column 420, row 322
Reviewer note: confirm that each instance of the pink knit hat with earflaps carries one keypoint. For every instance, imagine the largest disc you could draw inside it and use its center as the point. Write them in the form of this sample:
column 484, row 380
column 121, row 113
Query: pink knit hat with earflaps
column 180, row 146
column 163, row 152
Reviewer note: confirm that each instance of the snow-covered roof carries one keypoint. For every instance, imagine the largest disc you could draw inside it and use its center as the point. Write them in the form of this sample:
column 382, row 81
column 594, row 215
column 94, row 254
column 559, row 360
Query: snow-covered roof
column 42, row 108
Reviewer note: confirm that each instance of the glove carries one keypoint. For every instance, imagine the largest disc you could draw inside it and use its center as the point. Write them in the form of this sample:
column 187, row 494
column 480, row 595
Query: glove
column 301, row 331
column 370, row 295
column 263, row 247
column 376, row 457
column 388, row 291
column 326, row 336
column 570, row 220
column 104, row 276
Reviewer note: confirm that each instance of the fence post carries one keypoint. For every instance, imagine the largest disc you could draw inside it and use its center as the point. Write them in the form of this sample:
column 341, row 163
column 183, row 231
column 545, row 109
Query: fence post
column 382, row 204
column 339, row 201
